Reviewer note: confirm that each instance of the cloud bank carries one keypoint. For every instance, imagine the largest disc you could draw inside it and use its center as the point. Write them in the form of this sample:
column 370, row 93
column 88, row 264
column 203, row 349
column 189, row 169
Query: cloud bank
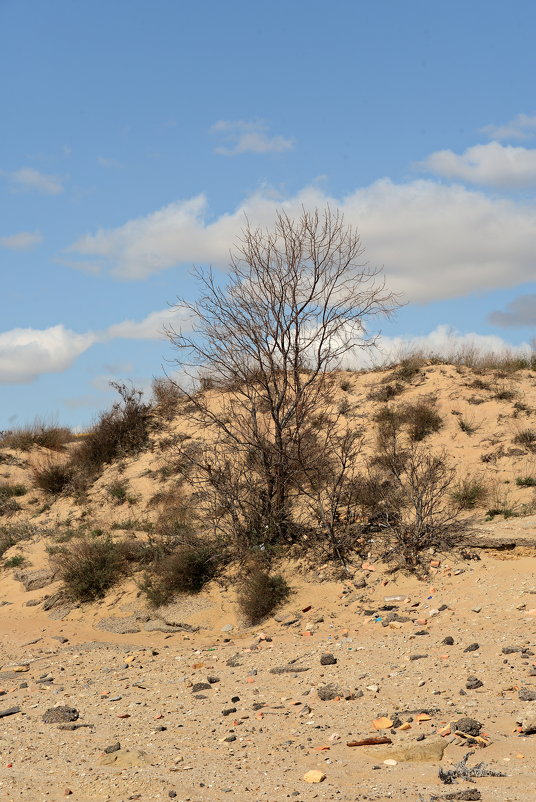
column 519, row 312
column 435, row 241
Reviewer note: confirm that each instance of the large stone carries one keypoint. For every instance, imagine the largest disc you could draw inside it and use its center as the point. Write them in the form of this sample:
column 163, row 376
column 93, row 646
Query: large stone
column 124, row 759
column 527, row 718
column 35, row 580
column 59, row 715
column 424, row 752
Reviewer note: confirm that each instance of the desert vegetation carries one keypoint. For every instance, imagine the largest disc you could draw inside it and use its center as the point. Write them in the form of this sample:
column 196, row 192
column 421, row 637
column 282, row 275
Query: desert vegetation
column 264, row 453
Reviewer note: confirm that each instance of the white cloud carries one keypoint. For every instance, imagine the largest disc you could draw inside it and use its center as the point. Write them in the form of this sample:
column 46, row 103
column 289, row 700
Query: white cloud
column 521, row 127
column 27, row 353
column 248, row 137
column 435, row 241
column 103, row 162
column 495, row 165
column 29, row 180
column 23, row 241
column 151, row 327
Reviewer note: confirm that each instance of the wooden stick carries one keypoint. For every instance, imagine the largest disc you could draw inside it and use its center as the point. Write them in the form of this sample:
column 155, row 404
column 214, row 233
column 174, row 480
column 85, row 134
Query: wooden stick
column 371, row 741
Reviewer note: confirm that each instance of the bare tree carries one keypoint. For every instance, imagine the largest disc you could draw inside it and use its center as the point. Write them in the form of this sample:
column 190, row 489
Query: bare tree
column 297, row 300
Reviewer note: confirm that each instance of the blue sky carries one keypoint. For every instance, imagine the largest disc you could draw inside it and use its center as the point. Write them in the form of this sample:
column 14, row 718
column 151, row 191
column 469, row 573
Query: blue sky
column 136, row 134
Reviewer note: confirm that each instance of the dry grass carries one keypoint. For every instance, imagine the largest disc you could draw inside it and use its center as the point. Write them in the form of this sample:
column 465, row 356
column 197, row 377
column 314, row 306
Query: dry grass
column 52, row 474
column 36, row 434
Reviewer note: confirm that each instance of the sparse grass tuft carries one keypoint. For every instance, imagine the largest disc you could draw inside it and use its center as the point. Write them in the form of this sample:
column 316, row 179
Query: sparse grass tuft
column 470, row 492
column 467, row 426
column 118, row 491
column 527, row 438
column 526, row 481
column 14, row 533
column 14, row 562
column 8, row 490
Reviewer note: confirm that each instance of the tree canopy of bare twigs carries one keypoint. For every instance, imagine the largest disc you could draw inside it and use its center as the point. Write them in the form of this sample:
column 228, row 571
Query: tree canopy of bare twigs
column 297, row 301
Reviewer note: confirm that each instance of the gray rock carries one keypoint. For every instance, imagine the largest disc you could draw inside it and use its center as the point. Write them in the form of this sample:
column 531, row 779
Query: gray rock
column 473, row 647
column 527, row 695
column 59, row 715
column 473, row 683
column 332, row 691
column 113, row 748
column 291, row 669
column 328, row 660
column 121, row 626
column 201, row 686
column 35, row 580
column 468, row 725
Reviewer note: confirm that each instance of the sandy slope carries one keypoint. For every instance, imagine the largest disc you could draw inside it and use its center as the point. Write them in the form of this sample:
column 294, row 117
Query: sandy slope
column 271, row 747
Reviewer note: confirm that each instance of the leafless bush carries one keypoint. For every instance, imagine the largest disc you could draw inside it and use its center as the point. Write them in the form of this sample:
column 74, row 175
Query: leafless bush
column 294, row 306
column 417, row 511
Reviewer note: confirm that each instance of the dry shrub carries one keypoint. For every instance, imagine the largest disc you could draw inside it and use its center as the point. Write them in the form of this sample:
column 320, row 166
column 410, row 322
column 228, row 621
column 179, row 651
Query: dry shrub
column 409, row 367
column 166, row 397
column 36, row 434
column 418, row 419
column 122, row 431
column 88, row 568
column 52, row 474
column 421, row 418
column 387, row 392
column 186, row 570
column 260, row 594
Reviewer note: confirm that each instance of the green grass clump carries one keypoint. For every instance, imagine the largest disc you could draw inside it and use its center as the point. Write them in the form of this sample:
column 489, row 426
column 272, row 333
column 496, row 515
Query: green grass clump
column 526, row 481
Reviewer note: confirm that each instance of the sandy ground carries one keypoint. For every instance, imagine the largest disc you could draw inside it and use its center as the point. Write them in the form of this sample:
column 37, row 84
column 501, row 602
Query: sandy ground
column 139, row 690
